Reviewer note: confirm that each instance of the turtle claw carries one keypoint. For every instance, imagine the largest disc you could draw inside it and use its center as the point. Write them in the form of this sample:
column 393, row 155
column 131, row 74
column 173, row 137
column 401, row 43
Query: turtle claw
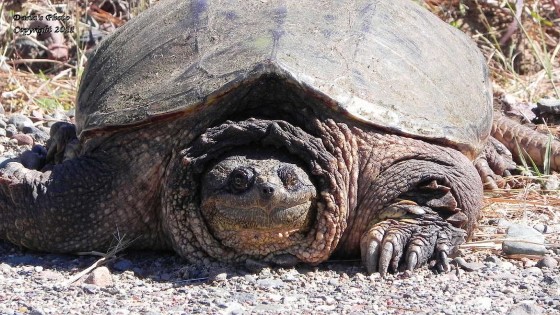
column 493, row 164
column 386, row 257
column 408, row 243
column 442, row 263
column 411, row 261
column 370, row 248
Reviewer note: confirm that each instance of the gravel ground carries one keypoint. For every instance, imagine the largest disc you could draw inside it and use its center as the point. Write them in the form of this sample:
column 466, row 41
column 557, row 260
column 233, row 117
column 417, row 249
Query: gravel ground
column 484, row 282
column 154, row 283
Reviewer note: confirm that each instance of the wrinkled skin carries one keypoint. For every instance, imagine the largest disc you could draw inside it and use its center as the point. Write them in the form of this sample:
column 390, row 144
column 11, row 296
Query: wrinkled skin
column 251, row 189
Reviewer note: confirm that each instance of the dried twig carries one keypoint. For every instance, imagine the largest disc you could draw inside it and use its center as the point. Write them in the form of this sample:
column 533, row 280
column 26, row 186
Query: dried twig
column 121, row 244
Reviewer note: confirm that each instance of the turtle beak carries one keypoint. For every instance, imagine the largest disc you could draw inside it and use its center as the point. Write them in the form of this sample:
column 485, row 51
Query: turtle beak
column 269, row 193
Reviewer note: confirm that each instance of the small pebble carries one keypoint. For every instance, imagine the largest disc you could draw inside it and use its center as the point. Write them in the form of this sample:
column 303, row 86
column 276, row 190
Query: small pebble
column 540, row 227
column 37, row 311
column 250, row 278
column 503, row 223
column 533, row 271
column 100, row 276
column 506, row 265
column 493, row 259
column 329, row 300
column 527, row 263
column 220, row 277
column 5, row 268
column 37, row 114
column 37, row 134
column 90, row 288
column 482, row 303
column 234, row 308
column 270, row 283
column 23, row 139
column 547, row 262
column 333, row 282
column 549, row 105
column 289, row 277
column 468, row 266
column 9, row 95
column 10, row 130
column 509, row 290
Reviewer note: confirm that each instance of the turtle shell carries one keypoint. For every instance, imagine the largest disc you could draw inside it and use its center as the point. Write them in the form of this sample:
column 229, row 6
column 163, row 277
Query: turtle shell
column 391, row 64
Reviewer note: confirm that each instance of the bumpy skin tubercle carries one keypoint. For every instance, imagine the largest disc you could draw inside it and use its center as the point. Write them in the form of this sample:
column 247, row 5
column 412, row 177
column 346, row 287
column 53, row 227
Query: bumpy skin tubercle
column 85, row 203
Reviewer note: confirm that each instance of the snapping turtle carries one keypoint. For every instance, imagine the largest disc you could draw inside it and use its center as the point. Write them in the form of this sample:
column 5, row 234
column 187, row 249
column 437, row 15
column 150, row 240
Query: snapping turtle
column 285, row 132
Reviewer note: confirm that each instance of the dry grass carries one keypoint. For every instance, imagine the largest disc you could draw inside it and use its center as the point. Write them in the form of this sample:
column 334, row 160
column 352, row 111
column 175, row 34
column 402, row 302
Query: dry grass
column 530, row 205
column 40, row 86
column 521, row 40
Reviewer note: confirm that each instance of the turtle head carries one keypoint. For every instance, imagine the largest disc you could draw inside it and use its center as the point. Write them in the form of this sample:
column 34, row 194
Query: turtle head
column 257, row 202
column 255, row 189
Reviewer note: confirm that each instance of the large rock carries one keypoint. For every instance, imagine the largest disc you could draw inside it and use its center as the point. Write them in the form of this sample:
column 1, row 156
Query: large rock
column 523, row 240
column 525, row 308
column 20, row 121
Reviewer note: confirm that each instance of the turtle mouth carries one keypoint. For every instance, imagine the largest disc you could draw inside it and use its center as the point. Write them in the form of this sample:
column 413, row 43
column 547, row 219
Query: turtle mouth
column 257, row 229
column 227, row 218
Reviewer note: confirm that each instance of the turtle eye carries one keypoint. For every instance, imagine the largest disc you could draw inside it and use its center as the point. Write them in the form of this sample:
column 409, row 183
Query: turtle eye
column 288, row 176
column 241, row 179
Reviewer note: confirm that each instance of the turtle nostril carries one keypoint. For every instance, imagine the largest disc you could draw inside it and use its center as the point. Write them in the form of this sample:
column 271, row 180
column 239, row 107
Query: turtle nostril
column 267, row 191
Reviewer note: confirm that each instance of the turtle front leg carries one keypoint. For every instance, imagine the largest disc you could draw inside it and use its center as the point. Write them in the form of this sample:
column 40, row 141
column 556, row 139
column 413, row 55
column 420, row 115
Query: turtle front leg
column 83, row 203
column 58, row 210
column 428, row 207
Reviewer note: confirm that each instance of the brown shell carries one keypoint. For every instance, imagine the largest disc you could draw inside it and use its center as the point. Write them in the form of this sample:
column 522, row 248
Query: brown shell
column 388, row 63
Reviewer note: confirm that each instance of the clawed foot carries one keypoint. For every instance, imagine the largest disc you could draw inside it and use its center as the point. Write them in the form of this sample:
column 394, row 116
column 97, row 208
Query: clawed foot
column 410, row 239
column 62, row 145
column 494, row 163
